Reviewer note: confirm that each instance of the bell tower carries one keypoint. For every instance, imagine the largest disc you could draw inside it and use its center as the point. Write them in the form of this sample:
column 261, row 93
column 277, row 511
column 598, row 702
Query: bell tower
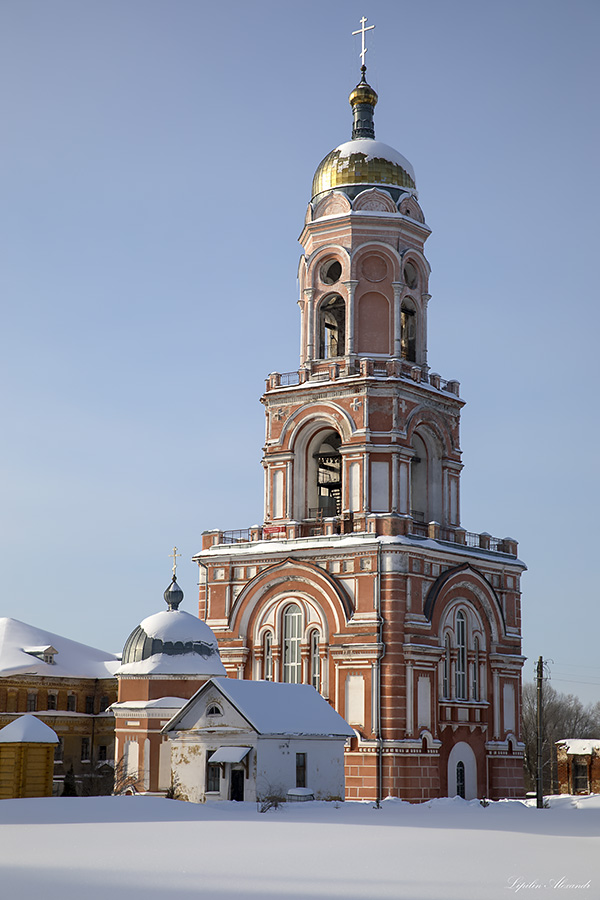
column 361, row 580
column 381, row 435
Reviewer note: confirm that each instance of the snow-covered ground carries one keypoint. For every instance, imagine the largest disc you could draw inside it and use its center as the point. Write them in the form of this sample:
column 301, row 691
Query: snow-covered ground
column 144, row 847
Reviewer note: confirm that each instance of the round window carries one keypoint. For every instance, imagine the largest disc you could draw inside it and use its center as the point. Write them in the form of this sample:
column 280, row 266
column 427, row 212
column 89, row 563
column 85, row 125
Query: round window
column 331, row 271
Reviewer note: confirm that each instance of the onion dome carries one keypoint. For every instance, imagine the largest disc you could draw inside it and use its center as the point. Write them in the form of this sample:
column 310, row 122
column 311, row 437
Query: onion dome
column 363, row 160
column 173, row 594
column 172, row 642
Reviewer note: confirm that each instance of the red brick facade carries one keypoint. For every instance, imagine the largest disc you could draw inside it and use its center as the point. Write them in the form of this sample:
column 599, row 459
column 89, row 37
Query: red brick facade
column 362, row 580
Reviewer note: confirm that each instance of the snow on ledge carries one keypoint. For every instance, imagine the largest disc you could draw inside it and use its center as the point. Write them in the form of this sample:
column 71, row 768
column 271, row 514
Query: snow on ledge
column 579, row 746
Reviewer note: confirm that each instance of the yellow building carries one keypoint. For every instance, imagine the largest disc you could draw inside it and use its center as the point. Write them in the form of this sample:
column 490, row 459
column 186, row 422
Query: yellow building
column 70, row 687
column 26, row 758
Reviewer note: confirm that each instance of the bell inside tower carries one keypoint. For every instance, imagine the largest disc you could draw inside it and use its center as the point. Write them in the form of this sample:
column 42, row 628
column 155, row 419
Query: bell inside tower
column 329, row 475
column 408, row 339
column 332, row 327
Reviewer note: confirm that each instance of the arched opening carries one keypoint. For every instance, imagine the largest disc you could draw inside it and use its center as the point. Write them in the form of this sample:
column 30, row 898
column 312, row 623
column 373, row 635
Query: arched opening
column 267, row 656
column 446, row 678
column 461, row 656
column 476, row 669
column 426, row 478
column 462, row 772
column 418, row 480
column 408, row 332
column 315, row 661
column 292, row 633
column 329, row 475
column 332, row 327
column 460, row 779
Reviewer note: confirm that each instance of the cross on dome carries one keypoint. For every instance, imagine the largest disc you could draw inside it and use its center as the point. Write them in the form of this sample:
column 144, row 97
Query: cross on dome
column 362, row 31
column 174, row 556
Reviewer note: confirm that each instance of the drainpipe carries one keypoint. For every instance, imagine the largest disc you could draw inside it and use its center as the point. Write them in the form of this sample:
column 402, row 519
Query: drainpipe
column 378, row 681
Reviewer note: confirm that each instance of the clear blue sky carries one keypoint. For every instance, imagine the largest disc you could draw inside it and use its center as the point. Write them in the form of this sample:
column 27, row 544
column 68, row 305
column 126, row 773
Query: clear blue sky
column 157, row 157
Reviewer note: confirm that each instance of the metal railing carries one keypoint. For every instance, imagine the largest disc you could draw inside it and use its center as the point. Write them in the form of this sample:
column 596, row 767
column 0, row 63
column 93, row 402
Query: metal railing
column 239, row 536
column 287, row 379
column 379, row 368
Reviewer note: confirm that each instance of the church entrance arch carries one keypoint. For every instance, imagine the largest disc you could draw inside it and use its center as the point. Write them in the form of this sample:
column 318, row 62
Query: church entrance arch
column 462, row 772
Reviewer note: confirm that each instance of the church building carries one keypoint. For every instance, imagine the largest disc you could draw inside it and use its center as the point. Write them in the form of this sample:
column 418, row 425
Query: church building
column 166, row 658
column 362, row 580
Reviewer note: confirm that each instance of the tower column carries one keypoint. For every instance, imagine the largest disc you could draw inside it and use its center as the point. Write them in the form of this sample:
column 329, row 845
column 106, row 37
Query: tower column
column 309, row 293
column 397, row 286
column 425, row 298
column 351, row 288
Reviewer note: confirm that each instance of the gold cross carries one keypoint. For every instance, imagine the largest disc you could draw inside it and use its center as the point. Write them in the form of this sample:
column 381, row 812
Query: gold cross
column 362, row 31
column 174, row 556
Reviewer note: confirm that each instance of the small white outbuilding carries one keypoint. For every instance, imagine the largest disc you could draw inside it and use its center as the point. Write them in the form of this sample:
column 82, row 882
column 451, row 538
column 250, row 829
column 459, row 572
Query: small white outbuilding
column 254, row 740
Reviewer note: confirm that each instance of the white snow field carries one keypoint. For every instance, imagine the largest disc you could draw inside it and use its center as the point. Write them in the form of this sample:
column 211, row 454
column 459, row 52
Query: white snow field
column 146, row 847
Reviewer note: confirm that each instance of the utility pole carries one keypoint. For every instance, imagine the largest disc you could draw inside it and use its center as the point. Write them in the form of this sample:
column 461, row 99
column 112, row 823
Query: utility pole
column 540, row 736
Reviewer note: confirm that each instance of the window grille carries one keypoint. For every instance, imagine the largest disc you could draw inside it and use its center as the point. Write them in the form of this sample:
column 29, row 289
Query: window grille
column 461, row 657
column 292, row 629
column 213, row 774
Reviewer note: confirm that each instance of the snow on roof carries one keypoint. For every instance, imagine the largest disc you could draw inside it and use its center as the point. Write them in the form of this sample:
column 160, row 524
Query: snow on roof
column 375, row 150
column 27, row 729
column 72, row 660
column 230, row 754
column 326, row 542
column 160, row 703
column 579, row 745
column 172, row 625
column 275, row 708
column 181, row 664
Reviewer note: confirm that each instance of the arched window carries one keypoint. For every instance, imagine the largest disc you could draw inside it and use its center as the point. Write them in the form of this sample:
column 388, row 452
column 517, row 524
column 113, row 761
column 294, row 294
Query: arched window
column 418, row 480
column 476, row 670
column 426, row 494
column 268, row 656
column 446, row 680
column 292, row 630
column 329, row 475
column 461, row 656
column 460, row 779
column 408, row 333
column 315, row 661
column 332, row 327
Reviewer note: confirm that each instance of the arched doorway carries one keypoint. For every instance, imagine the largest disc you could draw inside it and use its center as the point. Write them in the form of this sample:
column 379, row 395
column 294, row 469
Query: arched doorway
column 462, row 772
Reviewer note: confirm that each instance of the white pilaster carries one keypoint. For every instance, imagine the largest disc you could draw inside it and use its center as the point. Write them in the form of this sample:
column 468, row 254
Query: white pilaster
column 397, row 286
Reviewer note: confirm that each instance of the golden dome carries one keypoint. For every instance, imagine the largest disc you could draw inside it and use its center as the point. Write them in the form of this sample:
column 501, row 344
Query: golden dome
column 363, row 93
column 363, row 161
